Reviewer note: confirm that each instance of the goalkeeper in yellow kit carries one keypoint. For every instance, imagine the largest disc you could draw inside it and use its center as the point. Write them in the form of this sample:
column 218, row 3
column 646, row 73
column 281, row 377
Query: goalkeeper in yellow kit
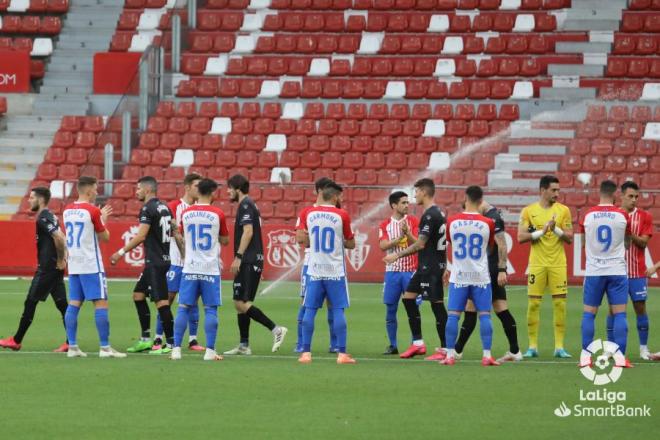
column 547, row 224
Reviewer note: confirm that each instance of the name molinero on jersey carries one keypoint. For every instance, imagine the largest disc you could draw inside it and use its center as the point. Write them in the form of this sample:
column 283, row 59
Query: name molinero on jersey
column 82, row 221
column 470, row 235
column 202, row 225
column 327, row 227
column 605, row 228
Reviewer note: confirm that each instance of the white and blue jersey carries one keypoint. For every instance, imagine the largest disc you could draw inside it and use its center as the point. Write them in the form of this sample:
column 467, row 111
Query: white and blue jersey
column 327, row 227
column 202, row 225
column 604, row 228
column 82, row 221
column 470, row 234
column 174, row 277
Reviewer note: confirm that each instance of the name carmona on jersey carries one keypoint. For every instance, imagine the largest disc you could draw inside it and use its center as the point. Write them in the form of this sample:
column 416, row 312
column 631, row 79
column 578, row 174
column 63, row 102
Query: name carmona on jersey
column 319, row 215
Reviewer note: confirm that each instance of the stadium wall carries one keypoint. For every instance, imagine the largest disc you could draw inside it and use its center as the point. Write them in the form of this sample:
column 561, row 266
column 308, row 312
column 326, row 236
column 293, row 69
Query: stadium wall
column 282, row 255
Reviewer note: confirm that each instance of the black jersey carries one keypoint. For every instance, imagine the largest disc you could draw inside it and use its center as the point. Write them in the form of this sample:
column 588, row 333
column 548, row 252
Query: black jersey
column 495, row 215
column 158, row 216
column 433, row 225
column 47, row 225
column 248, row 214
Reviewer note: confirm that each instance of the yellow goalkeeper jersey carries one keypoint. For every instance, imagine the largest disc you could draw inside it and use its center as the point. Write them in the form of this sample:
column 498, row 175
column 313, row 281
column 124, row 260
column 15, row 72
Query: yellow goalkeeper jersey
column 549, row 250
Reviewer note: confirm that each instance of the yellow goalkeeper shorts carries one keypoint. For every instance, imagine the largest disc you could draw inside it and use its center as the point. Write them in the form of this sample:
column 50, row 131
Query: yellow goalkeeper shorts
column 540, row 277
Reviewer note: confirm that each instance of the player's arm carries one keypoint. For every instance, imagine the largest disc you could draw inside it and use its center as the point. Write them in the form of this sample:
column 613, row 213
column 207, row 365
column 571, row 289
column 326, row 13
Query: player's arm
column 302, row 237
column 502, row 257
column 412, row 249
column 223, row 237
column 564, row 230
column 349, row 244
column 141, row 235
column 409, row 233
column 248, row 232
column 389, row 244
column 102, row 232
column 640, row 241
column 60, row 248
column 179, row 239
column 653, row 269
column 524, row 235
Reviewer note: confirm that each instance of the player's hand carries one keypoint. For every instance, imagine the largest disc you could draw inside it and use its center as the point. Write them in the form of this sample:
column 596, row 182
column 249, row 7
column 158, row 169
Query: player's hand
column 445, row 278
column 650, row 272
column 551, row 224
column 404, row 227
column 114, row 258
column 106, row 211
column 501, row 279
column 235, row 266
column 61, row 264
column 390, row 258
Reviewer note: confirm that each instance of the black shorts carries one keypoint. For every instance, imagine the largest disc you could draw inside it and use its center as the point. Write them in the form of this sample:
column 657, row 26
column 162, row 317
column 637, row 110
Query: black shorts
column 47, row 282
column 246, row 282
column 427, row 284
column 499, row 292
column 153, row 283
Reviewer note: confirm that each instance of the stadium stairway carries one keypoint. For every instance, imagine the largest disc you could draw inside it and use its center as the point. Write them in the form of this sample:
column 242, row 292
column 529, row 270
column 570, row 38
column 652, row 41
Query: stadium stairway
column 88, row 29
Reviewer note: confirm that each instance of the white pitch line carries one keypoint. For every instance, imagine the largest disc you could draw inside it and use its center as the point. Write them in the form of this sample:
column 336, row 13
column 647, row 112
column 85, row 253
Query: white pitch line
column 322, row 358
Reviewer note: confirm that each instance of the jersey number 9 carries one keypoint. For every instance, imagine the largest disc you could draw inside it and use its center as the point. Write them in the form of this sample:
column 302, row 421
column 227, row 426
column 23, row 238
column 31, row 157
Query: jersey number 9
column 604, row 236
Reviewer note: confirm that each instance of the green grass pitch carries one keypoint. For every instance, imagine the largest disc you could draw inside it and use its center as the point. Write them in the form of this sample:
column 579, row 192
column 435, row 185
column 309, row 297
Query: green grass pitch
column 271, row 396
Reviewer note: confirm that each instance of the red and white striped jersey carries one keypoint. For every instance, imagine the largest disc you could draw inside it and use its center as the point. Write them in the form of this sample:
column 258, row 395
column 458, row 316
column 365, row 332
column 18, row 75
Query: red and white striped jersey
column 176, row 208
column 202, row 225
column 389, row 230
column 641, row 223
column 82, row 221
column 470, row 234
column 328, row 227
column 605, row 228
column 299, row 221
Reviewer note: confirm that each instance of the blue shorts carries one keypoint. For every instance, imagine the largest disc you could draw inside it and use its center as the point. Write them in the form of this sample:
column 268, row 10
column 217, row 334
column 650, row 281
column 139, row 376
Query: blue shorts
column 304, row 279
column 193, row 286
column 481, row 296
column 174, row 278
column 335, row 290
column 637, row 288
column 88, row 287
column 395, row 285
column 595, row 287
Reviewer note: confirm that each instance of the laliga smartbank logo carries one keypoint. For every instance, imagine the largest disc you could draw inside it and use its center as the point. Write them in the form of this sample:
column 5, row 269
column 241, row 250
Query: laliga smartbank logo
column 602, row 363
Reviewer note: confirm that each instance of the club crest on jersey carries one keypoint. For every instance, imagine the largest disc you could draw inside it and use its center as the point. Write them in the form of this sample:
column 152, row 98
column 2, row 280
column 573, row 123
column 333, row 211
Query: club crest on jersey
column 283, row 251
column 358, row 256
column 136, row 256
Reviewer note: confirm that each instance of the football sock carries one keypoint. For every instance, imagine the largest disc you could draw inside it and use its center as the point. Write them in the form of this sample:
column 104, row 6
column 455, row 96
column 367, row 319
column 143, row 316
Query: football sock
column 559, row 320
column 259, row 316
column 414, row 318
column 180, row 323
column 102, row 326
column 301, row 313
column 71, row 323
column 588, row 329
column 469, row 323
column 390, row 323
column 193, row 321
column 244, row 328
column 144, row 315
column 29, row 307
column 451, row 330
column 609, row 324
column 533, row 314
column 643, row 329
column 308, row 328
column 168, row 323
column 210, row 326
column 510, row 330
column 486, row 331
column 61, row 305
column 441, row 322
column 331, row 329
column 339, row 328
column 159, row 326
column 621, row 331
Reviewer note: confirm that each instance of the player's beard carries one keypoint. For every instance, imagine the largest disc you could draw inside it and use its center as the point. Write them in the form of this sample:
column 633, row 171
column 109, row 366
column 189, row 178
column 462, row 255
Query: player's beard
column 34, row 208
column 233, row 197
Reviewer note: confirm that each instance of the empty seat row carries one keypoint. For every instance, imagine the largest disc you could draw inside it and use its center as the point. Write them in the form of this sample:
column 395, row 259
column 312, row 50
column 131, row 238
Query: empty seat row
column 81, row 139
column 618, row 147
column 641, row 22
column 213, row 42
column 620, row 90
column 633, row 67
column 387, row 5
column 610, row 130
column 37, row 47
column 333, row 110
column 28, row 24
column 32, row 6
column 621, row 113
column 610, row 163
column 640, row 5
column 94, row 124
column 629, row 44
column 67, row 171
column 151, row 4
column 354, row 88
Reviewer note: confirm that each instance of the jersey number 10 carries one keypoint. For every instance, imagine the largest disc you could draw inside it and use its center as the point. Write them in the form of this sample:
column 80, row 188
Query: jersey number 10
column 323, row 240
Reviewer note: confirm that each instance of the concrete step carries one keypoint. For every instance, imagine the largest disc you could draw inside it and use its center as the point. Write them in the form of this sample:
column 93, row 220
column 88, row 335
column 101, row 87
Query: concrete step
column 568, row 94
column 11, row 176
column 31, row 124
column 496, row 183
column 8, row 208
column 579, row 24
column 598, row 4
column 13, row 140
column 21, row 159
column 509, row 161
column 57, row 78
column 87, row 69
column 573, row 47
column 517, row 200
column 63, row 90
column 511, row 217
column 522, row 129
column 12, row 191
column 64, row 59
column 544, row 150
column 575, row 69
column 95, row 46
column 18, row 150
